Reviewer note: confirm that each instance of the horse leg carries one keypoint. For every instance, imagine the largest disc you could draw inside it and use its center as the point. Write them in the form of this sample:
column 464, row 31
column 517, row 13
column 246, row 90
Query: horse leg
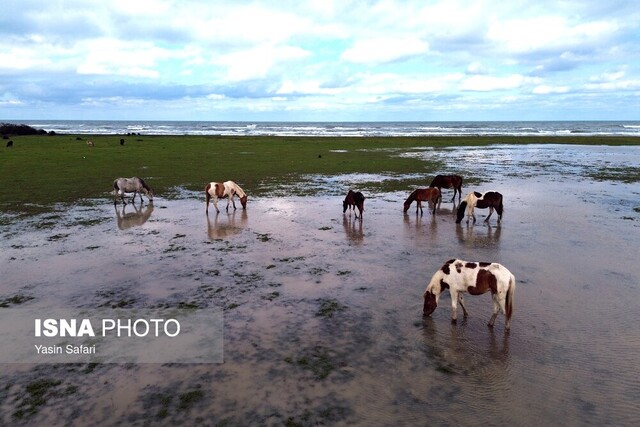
column 464, row 309
column 454, row 305
column 496, row 309
column 490, row 212
column 419, row 206
column 215, row 203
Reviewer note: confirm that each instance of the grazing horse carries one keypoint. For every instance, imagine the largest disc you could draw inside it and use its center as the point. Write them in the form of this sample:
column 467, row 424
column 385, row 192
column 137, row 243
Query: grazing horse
column 448, row 181
column 220, row 190
column 420, row 195
column 476, row 278
column 90, row 143
column 354, row 199
column 133, row 185
column 490, row 199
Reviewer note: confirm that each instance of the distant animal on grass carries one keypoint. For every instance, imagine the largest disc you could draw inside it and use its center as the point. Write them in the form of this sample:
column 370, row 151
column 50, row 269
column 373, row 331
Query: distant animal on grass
column 220, row 190
column 420, row 195
column 476, row 278
column 121, row 141
column 10, row 143
column 90, row 143
column 490, row 199
column 354, row 199
column 133, row 185
column 448, row 181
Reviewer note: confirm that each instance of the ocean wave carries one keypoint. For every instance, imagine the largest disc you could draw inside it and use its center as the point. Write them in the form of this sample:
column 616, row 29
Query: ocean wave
column 340, row 129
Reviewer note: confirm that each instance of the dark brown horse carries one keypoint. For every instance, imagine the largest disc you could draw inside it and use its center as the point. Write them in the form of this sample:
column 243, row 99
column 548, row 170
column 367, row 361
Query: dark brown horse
column 420, row 195
column 490, row 199
column 354, row 199
column 448, row 181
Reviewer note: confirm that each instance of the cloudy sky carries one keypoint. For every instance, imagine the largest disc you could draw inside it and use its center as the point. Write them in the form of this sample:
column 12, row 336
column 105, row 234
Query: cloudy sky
column 320, row 60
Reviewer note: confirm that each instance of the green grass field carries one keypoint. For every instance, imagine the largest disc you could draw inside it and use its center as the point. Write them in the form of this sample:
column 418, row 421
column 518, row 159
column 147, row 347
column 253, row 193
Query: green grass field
column 39, row 171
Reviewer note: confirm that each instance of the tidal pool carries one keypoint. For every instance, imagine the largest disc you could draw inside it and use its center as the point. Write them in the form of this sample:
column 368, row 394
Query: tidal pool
column 323, row 313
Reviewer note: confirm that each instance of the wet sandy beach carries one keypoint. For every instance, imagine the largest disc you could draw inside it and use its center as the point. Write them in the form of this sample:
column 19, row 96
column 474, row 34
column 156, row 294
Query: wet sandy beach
column 322, row 312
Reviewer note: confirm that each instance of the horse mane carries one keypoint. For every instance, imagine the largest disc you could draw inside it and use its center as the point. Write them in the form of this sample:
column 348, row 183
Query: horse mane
column 239, row 191
column 144, row 184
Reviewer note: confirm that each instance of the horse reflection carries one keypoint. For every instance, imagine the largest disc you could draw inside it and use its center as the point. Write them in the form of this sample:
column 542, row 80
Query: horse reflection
column 133, row 219
column 420, row 227
column 220, row 229
column 353, row 229
column 475, row 236
column 464, row 348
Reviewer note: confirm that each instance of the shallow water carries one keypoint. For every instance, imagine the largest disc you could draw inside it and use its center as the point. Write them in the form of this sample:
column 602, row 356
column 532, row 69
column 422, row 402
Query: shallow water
column 323, row 319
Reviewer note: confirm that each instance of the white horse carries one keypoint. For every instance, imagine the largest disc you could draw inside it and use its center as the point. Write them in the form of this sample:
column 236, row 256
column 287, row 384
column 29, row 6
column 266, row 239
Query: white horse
column 220, row 190
column 476, row 278
column 133, row 185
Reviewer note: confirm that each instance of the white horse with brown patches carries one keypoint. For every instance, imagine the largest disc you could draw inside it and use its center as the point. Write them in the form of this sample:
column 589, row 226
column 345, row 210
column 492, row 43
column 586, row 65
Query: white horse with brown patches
column 220, row 190
column 476, row 278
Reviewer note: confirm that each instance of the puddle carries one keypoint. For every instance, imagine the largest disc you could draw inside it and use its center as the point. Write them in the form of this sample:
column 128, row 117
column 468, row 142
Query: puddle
column 322, row 312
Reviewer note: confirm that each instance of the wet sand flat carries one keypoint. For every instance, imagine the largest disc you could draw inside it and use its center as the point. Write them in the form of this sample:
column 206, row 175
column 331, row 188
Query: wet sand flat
column 322, row 312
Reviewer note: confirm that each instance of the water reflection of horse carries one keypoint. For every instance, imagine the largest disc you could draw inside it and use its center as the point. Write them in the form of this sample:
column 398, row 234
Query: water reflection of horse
column 353, row 229
column 474, row 236
column 354, row 199
column 220, row 190
column 133, row 185
column 476, row 278
column 133, row 219
column 448, row 181
column 420, row 195
column 490, row 199
column 217, row 229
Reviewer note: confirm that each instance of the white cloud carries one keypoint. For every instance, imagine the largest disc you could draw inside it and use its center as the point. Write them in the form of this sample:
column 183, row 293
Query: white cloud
column 480, row 83
column 547, row 33
column 257, row 62
column 384, row 50
column 546, row 90
column 110, row 56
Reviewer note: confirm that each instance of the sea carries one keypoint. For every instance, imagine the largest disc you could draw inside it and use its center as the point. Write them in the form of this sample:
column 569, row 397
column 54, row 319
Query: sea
column 340, row 129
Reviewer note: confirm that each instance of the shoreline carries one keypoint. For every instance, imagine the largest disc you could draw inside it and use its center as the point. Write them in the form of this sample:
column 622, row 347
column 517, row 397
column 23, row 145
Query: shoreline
column 51, row 169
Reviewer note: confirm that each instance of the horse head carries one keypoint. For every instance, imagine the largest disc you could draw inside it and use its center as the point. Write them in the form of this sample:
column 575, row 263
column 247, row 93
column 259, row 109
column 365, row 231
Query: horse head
column 461, row 210
column 243, row 202
column 430, row 303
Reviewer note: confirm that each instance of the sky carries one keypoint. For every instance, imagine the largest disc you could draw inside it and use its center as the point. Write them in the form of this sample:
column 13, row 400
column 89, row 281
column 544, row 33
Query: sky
column 320, row 60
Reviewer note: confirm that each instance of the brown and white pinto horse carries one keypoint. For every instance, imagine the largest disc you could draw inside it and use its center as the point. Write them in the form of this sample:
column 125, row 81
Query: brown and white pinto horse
column 420, row 195
column 476, row 278
column 490, row 199
column 220, row 190
column 448, row 181
column 354, row 199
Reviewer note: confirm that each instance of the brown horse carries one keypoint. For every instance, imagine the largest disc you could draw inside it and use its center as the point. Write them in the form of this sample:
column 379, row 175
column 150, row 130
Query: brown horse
column 490, row 199
column 448, row 181
column 420, row 195
column 354, row 199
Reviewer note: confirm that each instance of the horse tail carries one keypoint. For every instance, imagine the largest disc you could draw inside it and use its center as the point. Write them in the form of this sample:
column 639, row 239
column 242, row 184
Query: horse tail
column 500, row 207
column 115, row 185
column 509, row 298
